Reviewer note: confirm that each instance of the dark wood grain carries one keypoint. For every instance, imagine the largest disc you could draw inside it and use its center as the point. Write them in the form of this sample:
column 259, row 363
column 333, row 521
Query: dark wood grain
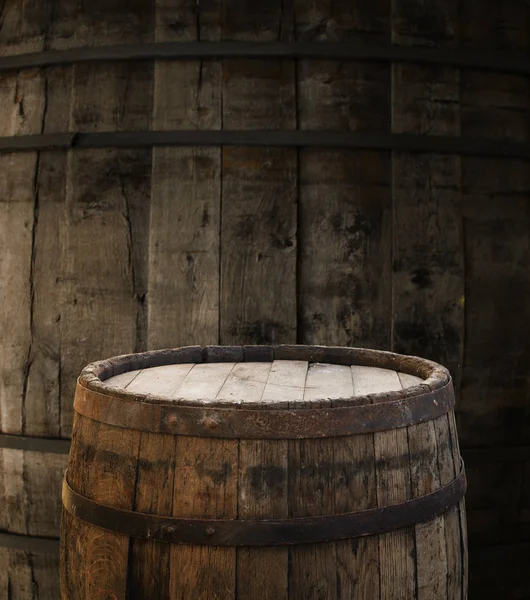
column 258, row 216
column 428, row 270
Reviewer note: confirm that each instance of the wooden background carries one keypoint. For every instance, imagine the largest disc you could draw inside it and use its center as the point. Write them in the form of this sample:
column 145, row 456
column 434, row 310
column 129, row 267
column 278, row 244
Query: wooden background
column 108, row 251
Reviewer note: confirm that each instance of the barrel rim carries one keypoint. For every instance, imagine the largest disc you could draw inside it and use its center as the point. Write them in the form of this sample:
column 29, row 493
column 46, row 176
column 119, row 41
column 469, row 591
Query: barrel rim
column 434, row 375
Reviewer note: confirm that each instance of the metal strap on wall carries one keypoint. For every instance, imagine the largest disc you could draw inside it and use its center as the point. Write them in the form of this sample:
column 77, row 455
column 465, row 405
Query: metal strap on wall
column 302, row 139
column 27, row 543
column 509, row 62
column 34, row 444
column 273, row 532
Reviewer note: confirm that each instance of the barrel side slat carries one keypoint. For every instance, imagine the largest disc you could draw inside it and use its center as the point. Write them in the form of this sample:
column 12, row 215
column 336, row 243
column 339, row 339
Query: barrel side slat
column 183, row 306
column 205, row 485
column 397, row 572
column 262, row 492
column 431, row 554
column 76, row 534
column 111, row 479
column 354, row 486
column 313, row 569
column 258, row 223
column 149, row 568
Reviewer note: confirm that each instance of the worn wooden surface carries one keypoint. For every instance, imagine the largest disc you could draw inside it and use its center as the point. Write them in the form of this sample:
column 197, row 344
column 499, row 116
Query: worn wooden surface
column 247, row 479
column 106, row 251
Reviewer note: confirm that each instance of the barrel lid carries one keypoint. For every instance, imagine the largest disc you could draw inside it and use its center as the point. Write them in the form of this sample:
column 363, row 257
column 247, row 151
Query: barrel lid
column 263, row 376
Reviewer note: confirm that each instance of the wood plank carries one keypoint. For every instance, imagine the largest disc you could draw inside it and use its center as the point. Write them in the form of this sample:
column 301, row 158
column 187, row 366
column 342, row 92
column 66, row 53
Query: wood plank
column 23, row 99
column 160, row 381
column 344, row 242
column 121, row 381
column 428, row 273
column 262, row 490
column 104, row 283
column 312, row 571
column 397, row 572
column 258, row 221
column 184, row 269
column 112, row 483
column 204, row 381
column 205, row 486
column 371, row 380
column 286, row 382
column 148, row 565
column 354, row 488
column 43, row 403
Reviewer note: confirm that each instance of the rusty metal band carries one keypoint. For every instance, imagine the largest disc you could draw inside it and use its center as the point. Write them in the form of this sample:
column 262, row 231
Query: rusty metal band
column 238, row 423
column 274, row 532
column 34, row 444
column 438, row 144
column 26, row 543
column 509, row 62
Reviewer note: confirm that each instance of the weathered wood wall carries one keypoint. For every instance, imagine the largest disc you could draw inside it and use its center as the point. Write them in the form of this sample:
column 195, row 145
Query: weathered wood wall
column 109, row 251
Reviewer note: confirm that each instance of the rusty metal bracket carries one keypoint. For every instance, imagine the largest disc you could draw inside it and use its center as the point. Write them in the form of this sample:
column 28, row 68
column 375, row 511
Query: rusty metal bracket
column 274, row 532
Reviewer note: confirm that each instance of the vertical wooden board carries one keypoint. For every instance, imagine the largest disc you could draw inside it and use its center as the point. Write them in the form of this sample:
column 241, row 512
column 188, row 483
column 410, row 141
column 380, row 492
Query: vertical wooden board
column 185, row 207
column 344, row 241
column 43, row 476
column 101, row 307
column 22, row 97
column 205, row 486
column 42, row 403
column 354, row 488
column 332, row 20
column 148, row 567
column 17, row 569
column 100, row 22
column 431, row 552
column 110, row 482
column 258, row 246
column 25, row 26
column 494, row 402
column 495, row 105
column 262, row 490
column 313, row 567
column 106, row 190
column 14, row 498
column 46, row 576
column 504, row 25
column 184, row 248
column 428, row 278
column 258, row 216
column 344, row 248
column 397, row 550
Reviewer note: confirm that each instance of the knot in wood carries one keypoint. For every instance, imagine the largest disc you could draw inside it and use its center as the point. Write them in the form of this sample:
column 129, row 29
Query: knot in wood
column 210, row 531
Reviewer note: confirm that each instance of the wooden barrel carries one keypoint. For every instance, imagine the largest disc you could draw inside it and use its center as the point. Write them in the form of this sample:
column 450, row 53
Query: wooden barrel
column 285, row 472
column 338, row 173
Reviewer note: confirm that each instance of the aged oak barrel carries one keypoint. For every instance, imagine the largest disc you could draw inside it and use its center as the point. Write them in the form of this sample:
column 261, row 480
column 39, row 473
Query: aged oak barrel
column 283, row 472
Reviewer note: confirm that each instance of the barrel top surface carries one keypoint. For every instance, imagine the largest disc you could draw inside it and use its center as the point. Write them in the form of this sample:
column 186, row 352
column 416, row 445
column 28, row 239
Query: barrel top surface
column 280, row 381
